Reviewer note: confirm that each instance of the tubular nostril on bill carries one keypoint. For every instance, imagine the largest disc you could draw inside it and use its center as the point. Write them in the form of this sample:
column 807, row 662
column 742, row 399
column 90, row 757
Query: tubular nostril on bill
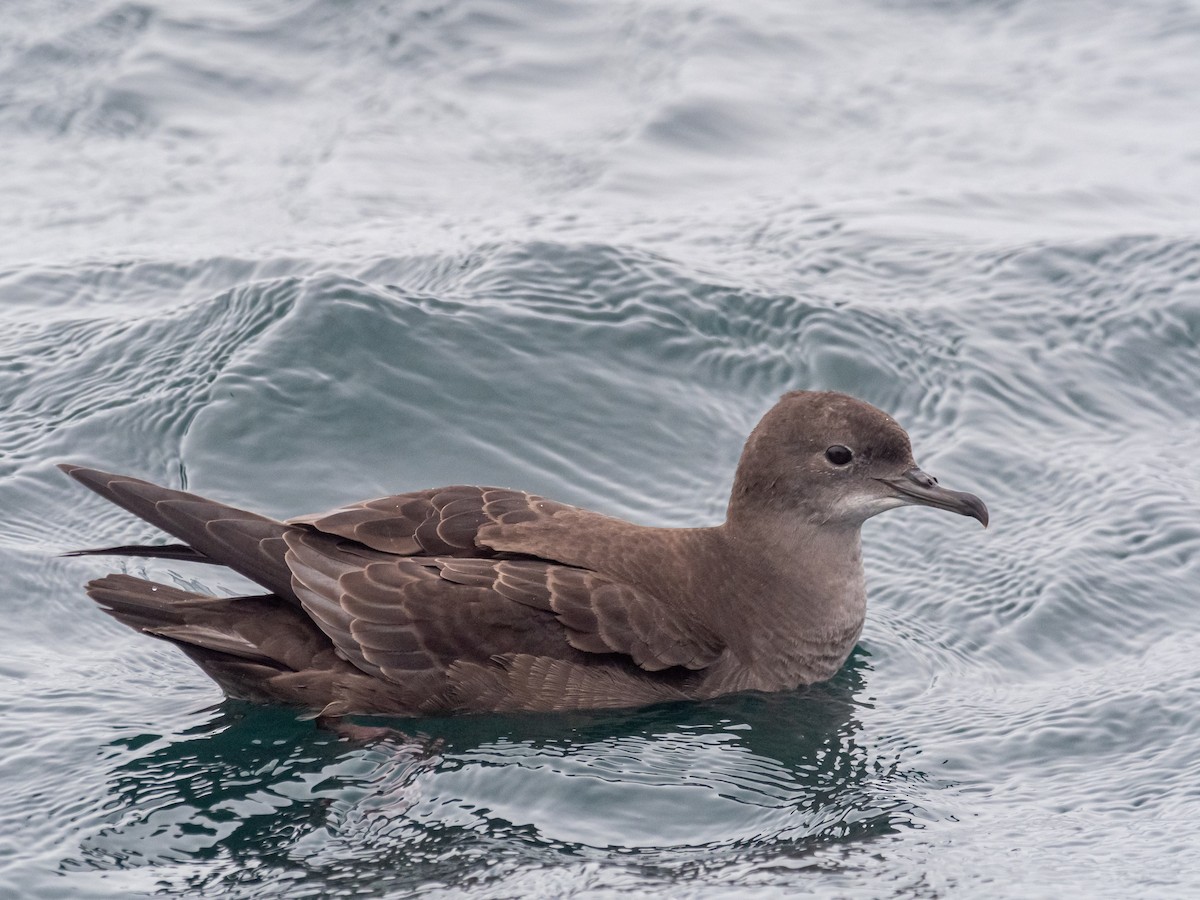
column 921, row 478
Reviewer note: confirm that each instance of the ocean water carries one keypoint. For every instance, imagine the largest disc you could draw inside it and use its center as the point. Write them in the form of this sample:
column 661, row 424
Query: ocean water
column 293, row 254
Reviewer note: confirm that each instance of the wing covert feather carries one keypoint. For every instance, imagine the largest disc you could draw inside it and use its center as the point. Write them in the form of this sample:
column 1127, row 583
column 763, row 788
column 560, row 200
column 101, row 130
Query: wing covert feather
column 439, row 522
column 395, row 616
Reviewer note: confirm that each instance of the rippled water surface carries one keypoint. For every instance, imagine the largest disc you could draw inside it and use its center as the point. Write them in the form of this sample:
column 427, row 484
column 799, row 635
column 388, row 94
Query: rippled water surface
column 292, row 254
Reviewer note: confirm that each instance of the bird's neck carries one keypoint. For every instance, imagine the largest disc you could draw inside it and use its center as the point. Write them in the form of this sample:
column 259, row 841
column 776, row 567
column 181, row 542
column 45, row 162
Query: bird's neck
column 809, row 602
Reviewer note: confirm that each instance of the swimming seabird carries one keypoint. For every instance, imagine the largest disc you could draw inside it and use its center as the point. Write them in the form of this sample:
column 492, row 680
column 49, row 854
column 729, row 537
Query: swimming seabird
column 475, row 599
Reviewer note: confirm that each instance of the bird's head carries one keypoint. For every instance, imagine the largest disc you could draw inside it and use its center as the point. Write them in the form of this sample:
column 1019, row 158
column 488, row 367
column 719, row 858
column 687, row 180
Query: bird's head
column 831, row 459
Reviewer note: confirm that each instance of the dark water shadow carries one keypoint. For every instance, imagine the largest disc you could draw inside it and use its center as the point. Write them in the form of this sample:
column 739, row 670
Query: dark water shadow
column 254, row 797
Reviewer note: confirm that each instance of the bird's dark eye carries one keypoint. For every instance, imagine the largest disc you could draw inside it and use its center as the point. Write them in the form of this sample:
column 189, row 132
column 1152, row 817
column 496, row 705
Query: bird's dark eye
column 839, row 455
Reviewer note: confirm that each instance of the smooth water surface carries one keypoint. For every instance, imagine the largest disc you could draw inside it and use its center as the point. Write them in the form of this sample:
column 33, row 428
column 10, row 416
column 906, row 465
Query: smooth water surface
column 292, row 254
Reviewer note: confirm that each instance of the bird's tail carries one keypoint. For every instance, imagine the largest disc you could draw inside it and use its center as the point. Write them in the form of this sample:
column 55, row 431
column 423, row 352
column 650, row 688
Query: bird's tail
column 253, row 647
column 250, row 544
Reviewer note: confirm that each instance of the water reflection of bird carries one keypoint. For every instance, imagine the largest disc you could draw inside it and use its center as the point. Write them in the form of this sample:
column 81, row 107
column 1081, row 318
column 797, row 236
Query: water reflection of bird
column 469, row 599
column 251, row 789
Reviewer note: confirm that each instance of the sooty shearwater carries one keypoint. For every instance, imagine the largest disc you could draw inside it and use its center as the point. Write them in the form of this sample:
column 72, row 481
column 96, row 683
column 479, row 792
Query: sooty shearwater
column 474, row 599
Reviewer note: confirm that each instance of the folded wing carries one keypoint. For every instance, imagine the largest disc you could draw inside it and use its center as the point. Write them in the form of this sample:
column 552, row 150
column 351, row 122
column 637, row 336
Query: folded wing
column 395, row 616
column 408, row 594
